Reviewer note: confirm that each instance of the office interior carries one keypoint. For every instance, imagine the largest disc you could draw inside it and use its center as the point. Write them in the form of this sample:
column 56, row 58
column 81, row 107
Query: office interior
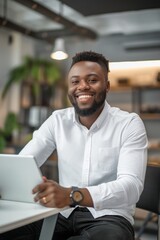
column 128, row 35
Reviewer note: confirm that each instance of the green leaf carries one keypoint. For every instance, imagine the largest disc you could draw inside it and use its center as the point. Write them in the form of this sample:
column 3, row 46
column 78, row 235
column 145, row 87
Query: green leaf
column 16, row 75
column 11, row 123
column 36, row 70
column 2, row 143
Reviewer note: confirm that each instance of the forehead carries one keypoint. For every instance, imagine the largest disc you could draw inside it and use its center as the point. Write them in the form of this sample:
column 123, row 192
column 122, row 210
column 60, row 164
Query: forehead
column 85, row 67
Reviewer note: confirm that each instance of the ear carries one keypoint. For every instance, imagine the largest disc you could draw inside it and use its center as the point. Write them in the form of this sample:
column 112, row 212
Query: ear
column 108, row 86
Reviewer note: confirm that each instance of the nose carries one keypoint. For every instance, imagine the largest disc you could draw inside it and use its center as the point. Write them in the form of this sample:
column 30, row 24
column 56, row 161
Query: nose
column 83, row 85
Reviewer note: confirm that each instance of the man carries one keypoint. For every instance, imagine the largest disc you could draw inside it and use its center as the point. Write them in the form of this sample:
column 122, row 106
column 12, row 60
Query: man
column 102, row 156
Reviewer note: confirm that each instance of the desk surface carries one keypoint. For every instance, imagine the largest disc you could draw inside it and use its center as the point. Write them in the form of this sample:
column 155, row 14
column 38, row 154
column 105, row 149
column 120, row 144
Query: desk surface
column 17, row 214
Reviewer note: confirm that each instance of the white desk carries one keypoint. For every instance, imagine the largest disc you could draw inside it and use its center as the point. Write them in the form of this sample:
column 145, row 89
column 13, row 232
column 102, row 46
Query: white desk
column 17, row 214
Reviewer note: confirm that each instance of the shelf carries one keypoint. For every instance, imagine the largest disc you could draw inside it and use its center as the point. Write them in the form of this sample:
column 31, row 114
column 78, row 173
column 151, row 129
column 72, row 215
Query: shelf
column 143, row 100
column 147, row 87
column 154, row 161
column 150, row 116
column 154, row 148
column 136, row 87
column 120, row 88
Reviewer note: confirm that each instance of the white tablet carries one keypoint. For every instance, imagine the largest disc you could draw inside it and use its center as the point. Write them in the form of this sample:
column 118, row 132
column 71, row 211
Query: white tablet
column 18, row 176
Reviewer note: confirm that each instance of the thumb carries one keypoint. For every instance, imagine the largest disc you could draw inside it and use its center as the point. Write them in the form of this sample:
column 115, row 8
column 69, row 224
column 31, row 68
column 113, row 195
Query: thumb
column 44, row 179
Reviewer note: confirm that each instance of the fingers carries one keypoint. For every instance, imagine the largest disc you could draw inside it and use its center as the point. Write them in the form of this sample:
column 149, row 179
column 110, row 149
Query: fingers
column 44, row 200
column 47, row 201
column 39, row 188
column 44, row 179
column 44, row 192
column 51, row 194
column 40, row 196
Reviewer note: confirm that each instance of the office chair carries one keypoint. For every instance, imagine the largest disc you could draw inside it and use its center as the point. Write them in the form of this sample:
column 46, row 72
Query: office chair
column 150, row 197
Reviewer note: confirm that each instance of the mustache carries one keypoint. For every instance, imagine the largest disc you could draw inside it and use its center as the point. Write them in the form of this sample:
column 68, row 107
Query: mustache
column 88, row 111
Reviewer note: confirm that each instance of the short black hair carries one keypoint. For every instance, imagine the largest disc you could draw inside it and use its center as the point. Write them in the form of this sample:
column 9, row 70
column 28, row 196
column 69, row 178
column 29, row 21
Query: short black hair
column 92, row 57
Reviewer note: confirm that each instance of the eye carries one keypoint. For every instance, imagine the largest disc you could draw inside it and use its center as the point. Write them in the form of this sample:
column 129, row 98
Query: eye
column 92, row 81
column 75, row 81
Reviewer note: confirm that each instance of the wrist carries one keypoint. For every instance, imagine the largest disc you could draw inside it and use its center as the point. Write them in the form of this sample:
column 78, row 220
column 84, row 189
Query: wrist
column 68, row 201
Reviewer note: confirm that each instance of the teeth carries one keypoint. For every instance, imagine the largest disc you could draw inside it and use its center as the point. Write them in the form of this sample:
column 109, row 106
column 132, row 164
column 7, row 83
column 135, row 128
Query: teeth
column 84, row 96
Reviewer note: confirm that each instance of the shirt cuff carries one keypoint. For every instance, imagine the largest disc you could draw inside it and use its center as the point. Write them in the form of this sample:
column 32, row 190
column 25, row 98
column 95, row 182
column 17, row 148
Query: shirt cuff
column 95, row 194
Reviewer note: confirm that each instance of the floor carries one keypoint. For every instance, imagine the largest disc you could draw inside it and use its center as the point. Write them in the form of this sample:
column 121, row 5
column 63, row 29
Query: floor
column 148, row 236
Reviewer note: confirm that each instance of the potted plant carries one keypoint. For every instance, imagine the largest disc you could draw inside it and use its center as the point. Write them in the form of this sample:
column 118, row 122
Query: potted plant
column 38, row 79
column 36, row 72
column 10, row 125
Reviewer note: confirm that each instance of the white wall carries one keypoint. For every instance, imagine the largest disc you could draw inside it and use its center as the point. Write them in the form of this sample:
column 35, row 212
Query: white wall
column 11, row 55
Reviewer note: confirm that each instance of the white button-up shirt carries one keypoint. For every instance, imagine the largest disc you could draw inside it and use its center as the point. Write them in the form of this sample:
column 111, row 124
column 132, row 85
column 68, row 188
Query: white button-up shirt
column 109, row 159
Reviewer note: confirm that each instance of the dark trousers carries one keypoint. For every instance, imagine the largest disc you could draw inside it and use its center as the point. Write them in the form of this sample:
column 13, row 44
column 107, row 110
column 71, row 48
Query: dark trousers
column 79, row 226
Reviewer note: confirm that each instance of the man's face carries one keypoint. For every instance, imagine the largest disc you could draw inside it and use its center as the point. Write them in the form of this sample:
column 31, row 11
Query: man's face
column 87, row 87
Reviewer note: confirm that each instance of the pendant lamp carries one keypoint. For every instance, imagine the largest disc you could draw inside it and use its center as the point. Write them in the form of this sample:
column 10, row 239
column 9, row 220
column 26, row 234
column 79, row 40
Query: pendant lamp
column 59, row 52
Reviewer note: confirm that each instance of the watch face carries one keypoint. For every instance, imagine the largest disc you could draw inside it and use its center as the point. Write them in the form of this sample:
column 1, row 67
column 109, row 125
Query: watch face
column 77, row 196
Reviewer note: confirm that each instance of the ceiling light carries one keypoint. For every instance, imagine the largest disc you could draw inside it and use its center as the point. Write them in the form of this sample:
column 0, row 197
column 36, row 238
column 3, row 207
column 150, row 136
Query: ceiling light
column 59, row 52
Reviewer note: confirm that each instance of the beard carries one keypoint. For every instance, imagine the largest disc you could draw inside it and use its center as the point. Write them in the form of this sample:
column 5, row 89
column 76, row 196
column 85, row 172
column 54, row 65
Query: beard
column 97, row 104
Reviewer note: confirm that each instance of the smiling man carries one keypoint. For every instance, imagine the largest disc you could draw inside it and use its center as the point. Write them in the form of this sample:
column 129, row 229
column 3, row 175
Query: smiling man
column 102, row 157
column 88, row 86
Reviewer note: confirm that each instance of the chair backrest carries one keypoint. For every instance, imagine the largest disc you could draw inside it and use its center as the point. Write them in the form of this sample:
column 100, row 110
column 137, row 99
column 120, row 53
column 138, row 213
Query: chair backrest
column 150, row 197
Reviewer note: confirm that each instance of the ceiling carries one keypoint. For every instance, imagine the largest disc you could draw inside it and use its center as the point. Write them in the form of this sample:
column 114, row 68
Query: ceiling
column 49, row 19
column 87, row 8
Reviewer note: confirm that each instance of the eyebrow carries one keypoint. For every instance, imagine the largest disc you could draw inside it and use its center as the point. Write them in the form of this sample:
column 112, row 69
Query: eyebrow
column 88, row 75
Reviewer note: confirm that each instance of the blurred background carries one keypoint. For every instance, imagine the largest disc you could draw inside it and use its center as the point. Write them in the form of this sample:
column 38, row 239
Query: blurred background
column 32, row 77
